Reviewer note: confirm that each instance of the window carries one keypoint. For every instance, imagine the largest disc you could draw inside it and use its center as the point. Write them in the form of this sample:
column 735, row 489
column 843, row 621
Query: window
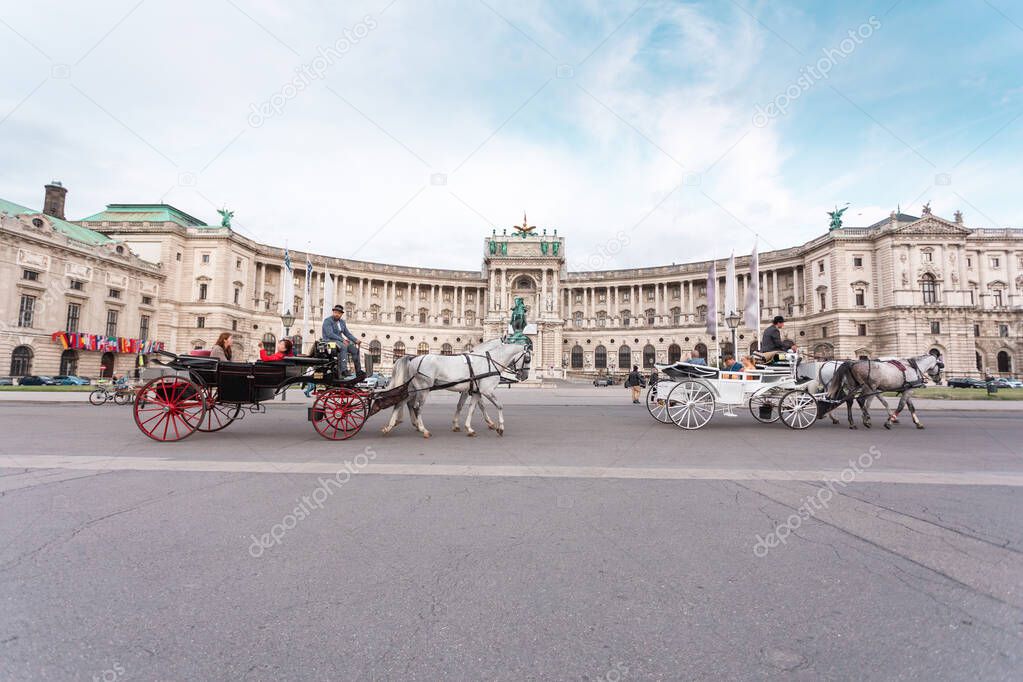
column 269, row 342
column 375, row 351
column 423, row 348
column 650, row 295
column 649, row 356
column 238, row 263
column 927, row 257
column 111, row 323
column 205, row 258
column 861, row 298
column 577, row 319
column 21, row 361
column 676, row 316
column 577, row 357
column 204, row 289
column 445, row 317
column 30, row 275
column 399, row 350
column 114, row 293
column 69, row 363
column 77, row 285
column 446, row 349
column 200, row 322
column 861, row 330
column 26, row 311
column 674, row 353
column 600, row 357
column 976, row 330
column 824, row 332
column 823, row 298
column 998, row 298
column 374, row 290
column 1003, row 331
column 234, row 325
column 74, row 314
column 929, row 288
column 398, row 314
column 996, row 262
column 625, row 358
column 237, row 295
column 147, row 300
column 144, row 327
column 969, row 262
column 935, row 327
column 857, row 261
column 422, row 316
column 820, row 267
column 106, row 365
column 177, row 256
column 579, row 297
column 1004, row 362
column 650, row 318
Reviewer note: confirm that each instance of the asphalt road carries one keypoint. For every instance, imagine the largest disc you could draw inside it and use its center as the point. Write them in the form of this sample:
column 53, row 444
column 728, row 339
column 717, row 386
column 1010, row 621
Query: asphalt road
column 587, row 543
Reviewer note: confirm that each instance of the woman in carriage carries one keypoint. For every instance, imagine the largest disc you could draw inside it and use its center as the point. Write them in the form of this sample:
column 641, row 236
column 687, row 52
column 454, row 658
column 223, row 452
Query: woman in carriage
column 284, row 350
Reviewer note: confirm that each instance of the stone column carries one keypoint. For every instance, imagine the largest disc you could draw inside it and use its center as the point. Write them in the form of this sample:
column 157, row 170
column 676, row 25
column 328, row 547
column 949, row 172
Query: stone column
column 774, row 289
column 504, row 290
column 260, row 286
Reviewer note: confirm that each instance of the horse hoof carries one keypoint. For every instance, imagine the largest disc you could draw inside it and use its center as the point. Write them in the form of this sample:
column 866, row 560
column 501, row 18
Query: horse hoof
column 919, row 426
column 491, row 427
column 888, row 425
column 853, row 427
column 471, row 434
column 426, row 434
column 385, row 430
column 455, row 429
column 500, row 431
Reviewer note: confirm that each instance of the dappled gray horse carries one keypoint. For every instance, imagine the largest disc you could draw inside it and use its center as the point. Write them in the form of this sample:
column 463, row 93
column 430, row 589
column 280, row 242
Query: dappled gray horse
column 476, row 375
column 869, row 378
column 820, row 377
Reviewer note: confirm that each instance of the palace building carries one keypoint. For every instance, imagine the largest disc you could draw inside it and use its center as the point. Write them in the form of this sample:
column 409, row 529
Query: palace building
column 900, row 287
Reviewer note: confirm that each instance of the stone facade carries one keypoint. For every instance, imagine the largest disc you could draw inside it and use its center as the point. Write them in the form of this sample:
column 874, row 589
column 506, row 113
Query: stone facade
column 904, row 286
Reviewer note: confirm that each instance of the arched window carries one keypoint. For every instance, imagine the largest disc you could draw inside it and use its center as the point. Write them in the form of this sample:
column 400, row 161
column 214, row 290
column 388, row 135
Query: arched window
column 297, row 342
column 106, row 363
column 467, row 348
column 445, row 317
column 624, row 358
column 600, row 357
column 446, row 349
column 601, row 318
column 399, row 313
column 270, row 342
column 577, row 357
column 823, row 351
column 423, row 349
column 69, row 362
column 980, row 362
column 727, row 349
column 470, row 318
column 650, row 317
column 399, row 350
column 374, row 313
column 626, row 318
column 375, row 351
column 423, row 312
column 21, row 361
column 1004, row 362
column 524, row 283
column 577, row 319
column 929, row 288
column 649, row 356
column 674, row 353
column 676, row 317
column 700, row 349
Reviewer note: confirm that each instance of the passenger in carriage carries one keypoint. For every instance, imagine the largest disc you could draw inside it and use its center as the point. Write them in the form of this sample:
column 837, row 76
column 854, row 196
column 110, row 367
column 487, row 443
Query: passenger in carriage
column 730, row 364
column 284, row 350
column 747, row 364
column 221, row 350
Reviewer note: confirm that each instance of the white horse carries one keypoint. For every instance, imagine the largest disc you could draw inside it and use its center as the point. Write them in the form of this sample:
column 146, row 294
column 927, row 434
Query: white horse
column 476, row 375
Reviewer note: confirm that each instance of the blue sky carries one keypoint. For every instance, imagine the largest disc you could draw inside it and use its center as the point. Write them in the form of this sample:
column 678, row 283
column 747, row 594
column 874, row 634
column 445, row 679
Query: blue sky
column 629, row 126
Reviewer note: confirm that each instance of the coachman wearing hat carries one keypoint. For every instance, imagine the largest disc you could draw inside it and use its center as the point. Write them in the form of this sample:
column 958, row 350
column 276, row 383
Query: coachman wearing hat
column 772, row 341
column 335, row 329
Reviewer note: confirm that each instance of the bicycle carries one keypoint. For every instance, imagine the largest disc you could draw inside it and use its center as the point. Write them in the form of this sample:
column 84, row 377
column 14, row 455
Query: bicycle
column 120, row 395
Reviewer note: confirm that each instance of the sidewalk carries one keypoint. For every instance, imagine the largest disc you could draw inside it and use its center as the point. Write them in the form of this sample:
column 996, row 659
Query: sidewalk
column 565, row 394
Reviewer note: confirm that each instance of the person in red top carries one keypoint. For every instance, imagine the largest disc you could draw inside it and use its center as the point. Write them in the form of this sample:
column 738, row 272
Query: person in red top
column 284, row 350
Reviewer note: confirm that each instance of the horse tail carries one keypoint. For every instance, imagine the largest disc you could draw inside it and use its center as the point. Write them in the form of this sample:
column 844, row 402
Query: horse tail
column 400, row 372
column 843, row 374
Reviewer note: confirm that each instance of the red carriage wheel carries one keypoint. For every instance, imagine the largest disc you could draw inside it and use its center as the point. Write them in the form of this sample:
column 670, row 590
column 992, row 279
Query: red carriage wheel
column 218, row 415
column 338, row 414
column 169, row 408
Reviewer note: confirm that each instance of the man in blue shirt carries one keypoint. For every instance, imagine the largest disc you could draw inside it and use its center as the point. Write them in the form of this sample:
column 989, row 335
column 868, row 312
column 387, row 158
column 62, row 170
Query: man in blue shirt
column 335, row 329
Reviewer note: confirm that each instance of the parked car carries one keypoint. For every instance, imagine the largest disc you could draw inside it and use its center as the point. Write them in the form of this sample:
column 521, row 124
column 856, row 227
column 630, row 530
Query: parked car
column 604, row 381
column 1005, row 382
column 36, row 380
column 965, row 382
column 1014, row 383
column 6, row 381
column 70, row 380
column 374, row 380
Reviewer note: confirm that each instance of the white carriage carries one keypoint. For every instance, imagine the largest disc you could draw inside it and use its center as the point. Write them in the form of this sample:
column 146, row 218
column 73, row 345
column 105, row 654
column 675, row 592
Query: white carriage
column 692, row 393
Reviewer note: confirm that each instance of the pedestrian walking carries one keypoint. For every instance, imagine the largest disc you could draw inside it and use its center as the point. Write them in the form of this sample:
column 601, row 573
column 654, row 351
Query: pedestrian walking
column 635, row 382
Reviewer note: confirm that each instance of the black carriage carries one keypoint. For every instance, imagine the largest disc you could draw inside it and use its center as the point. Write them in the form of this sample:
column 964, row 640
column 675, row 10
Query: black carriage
column 204, row 394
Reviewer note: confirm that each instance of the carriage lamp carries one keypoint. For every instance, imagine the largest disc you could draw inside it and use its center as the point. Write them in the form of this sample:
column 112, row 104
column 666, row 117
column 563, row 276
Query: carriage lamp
column 732, row 320
column 287, row 319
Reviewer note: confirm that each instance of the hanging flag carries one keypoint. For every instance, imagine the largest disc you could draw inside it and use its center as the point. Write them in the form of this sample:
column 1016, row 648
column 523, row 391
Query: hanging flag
column 328, row 294
column 751, row 312
column 730, row 291
column 712, row 299
column 307, row 296
column 287, row 284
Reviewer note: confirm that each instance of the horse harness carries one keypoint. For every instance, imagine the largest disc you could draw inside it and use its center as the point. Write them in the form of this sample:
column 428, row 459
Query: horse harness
column 494, row 367
column 906, row 383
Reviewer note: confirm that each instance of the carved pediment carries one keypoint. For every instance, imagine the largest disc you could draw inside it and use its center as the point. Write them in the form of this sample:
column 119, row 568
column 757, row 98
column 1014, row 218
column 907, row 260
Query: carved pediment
column 932, row 225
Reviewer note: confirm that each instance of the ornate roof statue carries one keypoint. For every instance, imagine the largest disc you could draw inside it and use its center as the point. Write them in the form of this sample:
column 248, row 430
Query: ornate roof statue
column 836, row 217
column 958, row 217
column 225, row 217
column 525, row 228
column 926, row 210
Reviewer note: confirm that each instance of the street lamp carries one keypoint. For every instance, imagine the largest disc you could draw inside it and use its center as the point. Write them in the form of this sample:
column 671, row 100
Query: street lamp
column 732, row 320
column 287, row 319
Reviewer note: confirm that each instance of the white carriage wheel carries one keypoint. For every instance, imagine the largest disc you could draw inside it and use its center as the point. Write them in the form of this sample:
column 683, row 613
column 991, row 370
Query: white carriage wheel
column 690, row 404
column 758, row 400
column 798, row 409
column 656, row 405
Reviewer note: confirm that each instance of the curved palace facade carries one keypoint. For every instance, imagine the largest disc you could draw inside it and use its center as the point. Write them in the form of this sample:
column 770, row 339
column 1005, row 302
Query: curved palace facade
column 902, row 286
